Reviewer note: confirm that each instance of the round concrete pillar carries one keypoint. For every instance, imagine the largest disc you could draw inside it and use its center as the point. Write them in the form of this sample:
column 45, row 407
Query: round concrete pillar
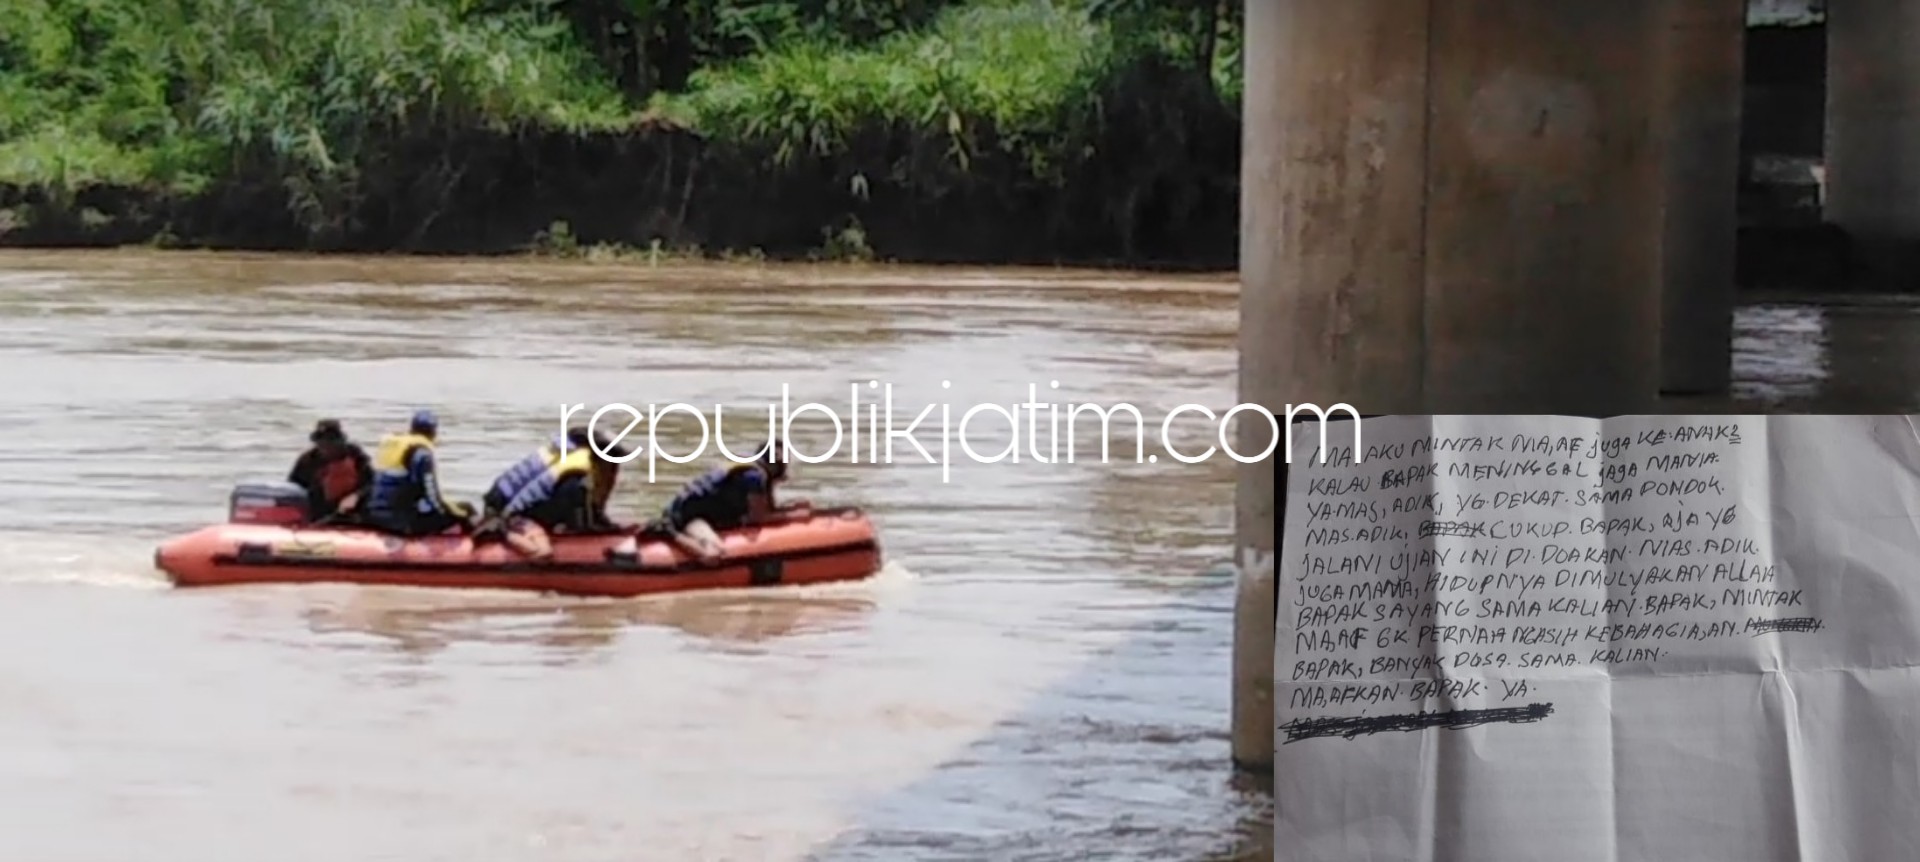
column 1702, row 55
column 1454, row 206
column 1447, row 207
column 1261, row 310
column 1873, row 137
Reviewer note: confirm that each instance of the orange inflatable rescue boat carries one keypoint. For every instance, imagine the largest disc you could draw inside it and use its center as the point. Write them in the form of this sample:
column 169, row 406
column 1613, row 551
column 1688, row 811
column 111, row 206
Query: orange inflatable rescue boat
column 266, row 540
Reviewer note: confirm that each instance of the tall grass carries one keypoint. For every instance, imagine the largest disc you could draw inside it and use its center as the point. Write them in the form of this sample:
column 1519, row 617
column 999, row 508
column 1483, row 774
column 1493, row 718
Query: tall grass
column 1022, row 79
column 1090, row 128
column 372, row 119
column 173, row 93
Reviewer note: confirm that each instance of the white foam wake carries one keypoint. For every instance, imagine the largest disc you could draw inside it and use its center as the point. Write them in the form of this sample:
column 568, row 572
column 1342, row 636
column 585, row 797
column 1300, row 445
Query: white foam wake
column 78, row 559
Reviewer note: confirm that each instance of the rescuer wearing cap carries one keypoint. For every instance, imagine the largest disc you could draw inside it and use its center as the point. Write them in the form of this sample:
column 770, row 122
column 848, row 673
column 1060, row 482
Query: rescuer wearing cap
column 405, row 498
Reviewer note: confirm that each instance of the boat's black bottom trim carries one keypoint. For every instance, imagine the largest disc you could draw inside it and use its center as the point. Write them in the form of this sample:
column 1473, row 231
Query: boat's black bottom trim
column 763, row 568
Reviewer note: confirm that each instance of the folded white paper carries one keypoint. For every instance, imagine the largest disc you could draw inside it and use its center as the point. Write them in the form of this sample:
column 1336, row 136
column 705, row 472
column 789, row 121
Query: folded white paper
column 1526, row 638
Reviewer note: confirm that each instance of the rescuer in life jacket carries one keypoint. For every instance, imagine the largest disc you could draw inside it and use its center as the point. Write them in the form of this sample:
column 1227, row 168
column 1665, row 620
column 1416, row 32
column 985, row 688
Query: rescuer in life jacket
column 405, row 498
column 561, row 488
column 335, row 472
column 725, row 498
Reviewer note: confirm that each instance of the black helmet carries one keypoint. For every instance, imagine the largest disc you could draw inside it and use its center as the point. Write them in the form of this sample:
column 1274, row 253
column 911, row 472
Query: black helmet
column 611, row 444
column 773, row 459
column 580, row 437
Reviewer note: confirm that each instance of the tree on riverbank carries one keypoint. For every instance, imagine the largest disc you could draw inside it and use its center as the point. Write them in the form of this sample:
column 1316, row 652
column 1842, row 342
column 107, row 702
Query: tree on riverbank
column 918, row 129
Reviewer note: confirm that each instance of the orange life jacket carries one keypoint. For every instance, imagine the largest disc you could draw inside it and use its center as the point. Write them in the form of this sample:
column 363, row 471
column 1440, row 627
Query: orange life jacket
column 338, row 477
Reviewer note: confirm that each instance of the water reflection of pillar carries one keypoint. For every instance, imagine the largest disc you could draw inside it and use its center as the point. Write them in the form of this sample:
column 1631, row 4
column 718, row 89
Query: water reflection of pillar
column 1701, row 55
column 1873, row 132
column 1447, row 207
column 1865, row 360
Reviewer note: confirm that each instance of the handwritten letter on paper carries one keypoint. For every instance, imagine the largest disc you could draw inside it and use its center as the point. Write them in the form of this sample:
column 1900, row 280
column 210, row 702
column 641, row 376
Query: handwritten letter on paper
column 1518, row 638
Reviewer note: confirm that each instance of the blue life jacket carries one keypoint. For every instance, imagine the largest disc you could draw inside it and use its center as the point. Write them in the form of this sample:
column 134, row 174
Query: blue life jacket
column 533, row 479
column 523, row 473
column 720, row 496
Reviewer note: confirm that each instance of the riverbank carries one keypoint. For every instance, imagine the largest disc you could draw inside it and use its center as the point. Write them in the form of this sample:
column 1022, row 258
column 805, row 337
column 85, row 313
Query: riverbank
column 1003, row 131
column 1080, row 132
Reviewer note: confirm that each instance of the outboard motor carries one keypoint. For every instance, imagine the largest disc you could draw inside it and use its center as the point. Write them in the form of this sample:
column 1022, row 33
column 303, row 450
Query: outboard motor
column 280, row 504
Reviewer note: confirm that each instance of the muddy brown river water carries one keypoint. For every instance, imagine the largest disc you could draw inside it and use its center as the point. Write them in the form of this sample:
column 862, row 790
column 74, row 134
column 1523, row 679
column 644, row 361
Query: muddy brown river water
column 1039, row 673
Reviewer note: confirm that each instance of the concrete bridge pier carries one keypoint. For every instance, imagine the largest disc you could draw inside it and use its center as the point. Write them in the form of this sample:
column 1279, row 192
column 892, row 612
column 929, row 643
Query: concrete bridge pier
column 1873, row 137
column 1701, row 51
column 1447, row 206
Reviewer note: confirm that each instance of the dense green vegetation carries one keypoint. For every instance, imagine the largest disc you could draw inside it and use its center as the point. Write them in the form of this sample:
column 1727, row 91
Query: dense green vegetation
column 920, row 129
